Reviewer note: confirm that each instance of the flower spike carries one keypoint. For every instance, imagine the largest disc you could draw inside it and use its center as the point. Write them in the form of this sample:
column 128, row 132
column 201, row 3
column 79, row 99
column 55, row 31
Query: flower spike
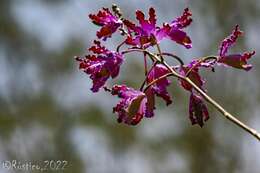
column 134, row 105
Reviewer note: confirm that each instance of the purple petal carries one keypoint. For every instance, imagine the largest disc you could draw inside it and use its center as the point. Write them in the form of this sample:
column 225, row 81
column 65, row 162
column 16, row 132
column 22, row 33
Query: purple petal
column 108, row 22
column 229, row 41
column 160, row 87
column 182, row 21
column 132, row 106
column 180, row 37
column 197, row 110
column 237, row 60
column 101, row 66
column 193, row 76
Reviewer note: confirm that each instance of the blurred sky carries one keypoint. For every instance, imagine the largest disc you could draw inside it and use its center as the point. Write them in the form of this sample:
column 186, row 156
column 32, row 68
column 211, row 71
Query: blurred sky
column 49, row 113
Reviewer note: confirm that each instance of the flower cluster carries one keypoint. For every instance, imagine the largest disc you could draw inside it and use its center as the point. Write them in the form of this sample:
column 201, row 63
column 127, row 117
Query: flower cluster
column 135, row 104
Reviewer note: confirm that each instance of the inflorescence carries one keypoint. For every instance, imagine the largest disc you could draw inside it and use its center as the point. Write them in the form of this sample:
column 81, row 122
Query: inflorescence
column 135, row 104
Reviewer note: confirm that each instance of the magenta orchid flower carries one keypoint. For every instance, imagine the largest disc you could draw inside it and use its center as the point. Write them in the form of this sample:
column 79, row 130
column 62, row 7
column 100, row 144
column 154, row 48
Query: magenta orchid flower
column 100, row 66
column 109, row 23
column 132, row 107
column 175, row 32
column 234, row 60
column 148, row 33
column 145, row 34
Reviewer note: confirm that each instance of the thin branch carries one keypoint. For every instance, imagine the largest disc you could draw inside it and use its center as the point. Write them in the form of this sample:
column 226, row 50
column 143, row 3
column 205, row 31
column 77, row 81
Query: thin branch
column 156, row 80
column 107, row 89
column 151, row 55
column 160, row 52
column 223, row 111
column 202, row 59
column 146, row 77
column 119, row 46
column 203, row 94
column 174, row 56
column 145, row 64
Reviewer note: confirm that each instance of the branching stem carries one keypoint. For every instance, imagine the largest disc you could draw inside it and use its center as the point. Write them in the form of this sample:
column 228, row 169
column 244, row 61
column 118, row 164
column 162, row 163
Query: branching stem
column 143, row 84
column 156, row 80
column 174, row 56
column 172, row 72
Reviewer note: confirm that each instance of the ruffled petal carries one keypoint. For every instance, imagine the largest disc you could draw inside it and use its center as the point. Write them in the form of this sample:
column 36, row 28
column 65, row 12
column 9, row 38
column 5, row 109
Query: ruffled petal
column 107, row 30
column 162, row 32
column 183, row 21
column 175, row 31
column 100, row 66
column 97, row 48
column 229, row 41
column 132, row 27
column 148, row 26
column 152, row 16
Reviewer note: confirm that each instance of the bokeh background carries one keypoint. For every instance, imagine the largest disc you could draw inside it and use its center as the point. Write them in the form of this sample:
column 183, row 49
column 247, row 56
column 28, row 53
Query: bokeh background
column 47, row 111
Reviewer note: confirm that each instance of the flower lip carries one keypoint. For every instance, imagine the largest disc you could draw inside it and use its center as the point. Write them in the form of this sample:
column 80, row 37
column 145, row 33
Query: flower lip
column 131, row 108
